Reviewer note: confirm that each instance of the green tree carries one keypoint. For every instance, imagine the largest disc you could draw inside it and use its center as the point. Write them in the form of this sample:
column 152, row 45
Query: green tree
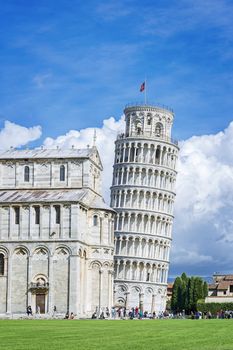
column 186, row 293
column 205, row 289
column 184, row 277
column 190, row 294
column 197, row 292
column 176, row 294
column 184, row 280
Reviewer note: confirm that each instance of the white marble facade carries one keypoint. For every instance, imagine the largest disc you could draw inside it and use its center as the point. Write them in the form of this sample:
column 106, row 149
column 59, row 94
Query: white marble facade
column 56, row 233
column 143, row 194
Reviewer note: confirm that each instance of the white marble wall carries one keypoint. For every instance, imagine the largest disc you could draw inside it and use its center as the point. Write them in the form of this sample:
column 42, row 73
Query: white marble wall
column 143, row 195
column 46, row 174
column 69, row 266
column 64, row 260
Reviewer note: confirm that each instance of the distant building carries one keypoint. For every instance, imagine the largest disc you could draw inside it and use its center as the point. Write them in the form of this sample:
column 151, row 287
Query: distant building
column 56, row 233
column 169, row 290
column 221, row 290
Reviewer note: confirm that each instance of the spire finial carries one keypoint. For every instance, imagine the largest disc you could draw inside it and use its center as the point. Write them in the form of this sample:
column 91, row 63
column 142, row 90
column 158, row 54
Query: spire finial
column 94, row 138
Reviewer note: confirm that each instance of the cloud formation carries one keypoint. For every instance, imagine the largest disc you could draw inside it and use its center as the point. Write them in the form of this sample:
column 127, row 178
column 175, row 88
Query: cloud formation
column 105, row 137
column 41, row 79
column 14, row 135
column 203, row 230
column 188, row 16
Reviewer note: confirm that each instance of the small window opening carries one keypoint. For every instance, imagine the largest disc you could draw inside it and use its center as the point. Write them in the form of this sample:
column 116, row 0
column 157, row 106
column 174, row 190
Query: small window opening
column 157, row 154
column 26, row 173
column 58, row 214
column 158, row 129
column 37, row 215
column 62, row 173
column 1, row 264
column 16, row 209
column 95, row 220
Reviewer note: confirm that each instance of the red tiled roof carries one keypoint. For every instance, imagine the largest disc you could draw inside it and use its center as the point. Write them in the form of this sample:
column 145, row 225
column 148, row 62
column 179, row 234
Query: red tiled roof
column 212, row 286
column 223, row 285
column 228, row 278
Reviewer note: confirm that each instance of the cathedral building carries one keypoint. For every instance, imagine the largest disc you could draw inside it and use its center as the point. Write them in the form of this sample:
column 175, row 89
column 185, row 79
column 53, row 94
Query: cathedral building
column 143, row 194
column 56, row 233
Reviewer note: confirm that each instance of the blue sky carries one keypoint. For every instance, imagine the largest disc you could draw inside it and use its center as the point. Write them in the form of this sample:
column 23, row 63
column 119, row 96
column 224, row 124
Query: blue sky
column 70, row 64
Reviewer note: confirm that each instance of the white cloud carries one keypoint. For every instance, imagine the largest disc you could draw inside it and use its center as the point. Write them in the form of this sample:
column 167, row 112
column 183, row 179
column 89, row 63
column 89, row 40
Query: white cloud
column 204, row 204
column 187, row 16
column 186, row 257
column 41, row 79
column 13, row 135
column 106, row 135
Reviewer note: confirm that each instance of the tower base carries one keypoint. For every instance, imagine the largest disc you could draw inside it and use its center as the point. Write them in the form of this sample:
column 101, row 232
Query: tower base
column 149, row 297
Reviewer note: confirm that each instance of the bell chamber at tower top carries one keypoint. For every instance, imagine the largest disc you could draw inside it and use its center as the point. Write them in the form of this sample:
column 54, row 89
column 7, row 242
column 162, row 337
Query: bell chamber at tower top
column 151, row 122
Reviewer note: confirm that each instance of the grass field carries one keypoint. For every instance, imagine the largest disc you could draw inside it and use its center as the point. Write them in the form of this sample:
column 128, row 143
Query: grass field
column 116, row 335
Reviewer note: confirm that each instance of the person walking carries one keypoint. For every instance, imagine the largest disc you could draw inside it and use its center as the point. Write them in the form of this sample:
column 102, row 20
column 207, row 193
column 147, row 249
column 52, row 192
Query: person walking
column 29, row 310
column 113, row 312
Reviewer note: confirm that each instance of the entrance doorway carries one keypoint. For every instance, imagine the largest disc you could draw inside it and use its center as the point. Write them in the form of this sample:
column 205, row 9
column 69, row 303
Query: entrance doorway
column 40, row 303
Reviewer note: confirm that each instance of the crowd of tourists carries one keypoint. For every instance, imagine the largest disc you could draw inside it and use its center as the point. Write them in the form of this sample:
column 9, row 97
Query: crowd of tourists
column 134, row 313
column 121, row 313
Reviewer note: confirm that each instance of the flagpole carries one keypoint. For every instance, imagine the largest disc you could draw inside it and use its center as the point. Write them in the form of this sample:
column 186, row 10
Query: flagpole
column 145, row 90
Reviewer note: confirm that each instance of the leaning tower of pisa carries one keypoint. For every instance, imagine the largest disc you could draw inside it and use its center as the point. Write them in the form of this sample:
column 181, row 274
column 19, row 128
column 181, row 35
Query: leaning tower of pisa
column 143, row 194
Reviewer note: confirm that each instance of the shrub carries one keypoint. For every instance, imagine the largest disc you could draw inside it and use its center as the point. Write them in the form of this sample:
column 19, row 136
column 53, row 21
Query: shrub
column 214, row 308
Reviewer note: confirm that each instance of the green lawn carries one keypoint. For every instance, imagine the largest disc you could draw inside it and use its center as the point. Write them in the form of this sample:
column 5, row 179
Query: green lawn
column 116, row 335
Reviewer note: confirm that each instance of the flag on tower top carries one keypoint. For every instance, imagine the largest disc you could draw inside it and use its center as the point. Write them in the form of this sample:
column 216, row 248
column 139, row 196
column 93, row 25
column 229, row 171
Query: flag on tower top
column 142, row 87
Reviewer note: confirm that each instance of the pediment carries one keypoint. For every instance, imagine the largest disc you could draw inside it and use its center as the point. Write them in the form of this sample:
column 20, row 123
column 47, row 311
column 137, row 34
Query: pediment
column 95, row 157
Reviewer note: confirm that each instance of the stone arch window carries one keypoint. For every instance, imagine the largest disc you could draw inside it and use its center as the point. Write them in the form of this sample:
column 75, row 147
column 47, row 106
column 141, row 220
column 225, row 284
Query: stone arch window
column 26, row 173
column 1, row 264
column 95, row 220
column 37, row 214
column 138, row 128
column 16, row 211
column 62, row 173
column 158, row 129
column 157, row 153
column 118, row 156
column 57, row 214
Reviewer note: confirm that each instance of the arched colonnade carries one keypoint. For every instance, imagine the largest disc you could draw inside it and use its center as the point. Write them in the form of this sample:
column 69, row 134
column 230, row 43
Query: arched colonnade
column 140, row 271
column 145, row 152
column 142, row 247
column 143, row 223
column 143, row 176
column 142, row 199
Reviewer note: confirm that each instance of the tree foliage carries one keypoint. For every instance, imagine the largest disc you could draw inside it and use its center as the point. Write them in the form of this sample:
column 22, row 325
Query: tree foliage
column 186, row 292
column 214, row 308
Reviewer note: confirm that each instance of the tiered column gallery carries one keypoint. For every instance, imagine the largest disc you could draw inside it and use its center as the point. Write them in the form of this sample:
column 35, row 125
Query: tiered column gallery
column 143, row 196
